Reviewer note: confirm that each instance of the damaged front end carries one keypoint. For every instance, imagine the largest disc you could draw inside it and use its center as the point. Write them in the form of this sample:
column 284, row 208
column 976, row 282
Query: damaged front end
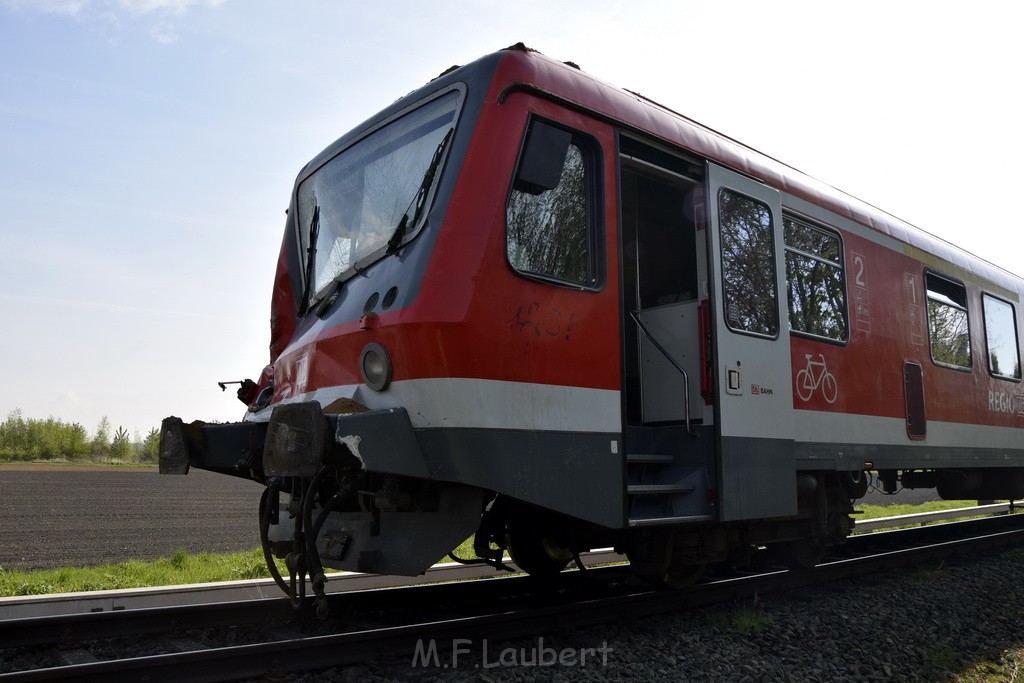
column 346, row 490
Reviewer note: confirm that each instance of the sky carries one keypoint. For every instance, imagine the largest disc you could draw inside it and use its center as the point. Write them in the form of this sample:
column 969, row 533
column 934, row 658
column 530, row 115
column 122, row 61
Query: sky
column 148, row 149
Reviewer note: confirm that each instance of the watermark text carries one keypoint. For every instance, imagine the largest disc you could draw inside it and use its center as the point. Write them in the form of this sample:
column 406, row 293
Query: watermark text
column 466, row 653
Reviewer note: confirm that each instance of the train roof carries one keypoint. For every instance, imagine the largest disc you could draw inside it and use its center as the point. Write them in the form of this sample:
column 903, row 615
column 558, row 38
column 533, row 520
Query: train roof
column 568, row 81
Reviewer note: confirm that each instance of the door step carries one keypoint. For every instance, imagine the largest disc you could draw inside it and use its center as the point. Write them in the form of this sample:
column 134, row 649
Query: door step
column 650, row 458
column 658, row 489
column 665, row 521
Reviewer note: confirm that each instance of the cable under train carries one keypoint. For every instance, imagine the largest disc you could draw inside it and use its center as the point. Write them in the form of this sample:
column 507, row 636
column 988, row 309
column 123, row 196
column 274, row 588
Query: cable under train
column 524, row 304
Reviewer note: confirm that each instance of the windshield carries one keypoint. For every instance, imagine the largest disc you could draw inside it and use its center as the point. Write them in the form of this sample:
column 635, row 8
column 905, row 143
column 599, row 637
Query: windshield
column 355, row 203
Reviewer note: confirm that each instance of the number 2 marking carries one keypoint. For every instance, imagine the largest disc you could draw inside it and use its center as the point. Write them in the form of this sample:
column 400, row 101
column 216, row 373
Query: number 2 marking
column 858, row 264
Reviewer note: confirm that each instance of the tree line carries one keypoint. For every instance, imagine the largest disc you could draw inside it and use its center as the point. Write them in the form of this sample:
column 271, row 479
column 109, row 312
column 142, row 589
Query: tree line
column 24, row 439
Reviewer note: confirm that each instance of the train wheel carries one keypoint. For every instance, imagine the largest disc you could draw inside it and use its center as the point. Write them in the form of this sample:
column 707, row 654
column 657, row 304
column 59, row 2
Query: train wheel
column 683, row 575
column 803, row 553
column 676, row 576
column 532, row 551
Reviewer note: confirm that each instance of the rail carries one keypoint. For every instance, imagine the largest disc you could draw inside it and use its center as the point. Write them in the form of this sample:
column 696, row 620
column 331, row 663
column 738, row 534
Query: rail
column 580, row 601
column 19, row 607
column 934, row 516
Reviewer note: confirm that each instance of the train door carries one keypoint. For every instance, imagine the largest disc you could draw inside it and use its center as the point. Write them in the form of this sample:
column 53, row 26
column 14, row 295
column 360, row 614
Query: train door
column 664, row 267
column 754, row 404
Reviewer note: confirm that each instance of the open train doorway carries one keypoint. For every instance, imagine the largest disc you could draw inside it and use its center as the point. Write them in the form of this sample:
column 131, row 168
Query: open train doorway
column 660, row 204
column 664, row 275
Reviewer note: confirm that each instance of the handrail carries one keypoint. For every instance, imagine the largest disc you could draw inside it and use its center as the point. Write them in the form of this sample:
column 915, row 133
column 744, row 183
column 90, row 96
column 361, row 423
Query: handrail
column 668, row 356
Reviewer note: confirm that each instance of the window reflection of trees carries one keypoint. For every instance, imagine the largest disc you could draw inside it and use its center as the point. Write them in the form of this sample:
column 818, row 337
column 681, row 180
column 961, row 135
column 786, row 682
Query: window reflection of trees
column 814, row 276
column 363, row 192
column 748, row 264
column 948, row 329
column 548, row 232
column 1001, row 335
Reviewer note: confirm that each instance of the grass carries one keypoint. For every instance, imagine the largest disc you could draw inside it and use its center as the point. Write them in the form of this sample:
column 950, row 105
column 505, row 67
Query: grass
column 179, row 568
column 930, row 576
column 64, row 464
column 1007, row 667
column 941, row 661
column 183, row 568
column 873, row 511
column 865, row 512
column 750, row 620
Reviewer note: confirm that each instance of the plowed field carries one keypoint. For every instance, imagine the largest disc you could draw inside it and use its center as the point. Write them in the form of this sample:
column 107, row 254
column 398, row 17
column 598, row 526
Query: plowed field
column 53, row 516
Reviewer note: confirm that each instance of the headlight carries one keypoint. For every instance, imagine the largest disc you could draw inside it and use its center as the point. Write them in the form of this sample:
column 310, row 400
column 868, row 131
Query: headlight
column 375, row 366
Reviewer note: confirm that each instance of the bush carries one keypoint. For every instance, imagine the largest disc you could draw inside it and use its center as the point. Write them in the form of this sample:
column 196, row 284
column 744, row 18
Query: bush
column 52, row 439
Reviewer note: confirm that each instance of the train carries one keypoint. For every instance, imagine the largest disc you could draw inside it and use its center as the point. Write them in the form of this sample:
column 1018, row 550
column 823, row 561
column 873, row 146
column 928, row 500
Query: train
column 527, row 307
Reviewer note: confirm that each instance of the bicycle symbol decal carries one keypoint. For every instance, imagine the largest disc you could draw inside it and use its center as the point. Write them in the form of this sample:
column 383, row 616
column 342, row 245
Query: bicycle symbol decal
column 815, row 376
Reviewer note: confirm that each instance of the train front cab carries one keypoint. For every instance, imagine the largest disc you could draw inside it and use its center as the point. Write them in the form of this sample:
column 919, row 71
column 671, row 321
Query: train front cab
column 679, row 309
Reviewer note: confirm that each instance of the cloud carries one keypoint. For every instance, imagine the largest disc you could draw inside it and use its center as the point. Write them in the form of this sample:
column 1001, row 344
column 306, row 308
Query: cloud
column 112, row 12
column 87, row 8
column 70, row 8
column 172, row 7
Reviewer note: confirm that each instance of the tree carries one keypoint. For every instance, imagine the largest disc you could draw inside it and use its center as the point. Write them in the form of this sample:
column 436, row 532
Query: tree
column 101, row 442
column 151, row 447
column 121, row 448
column 30, row 439
column 14, row 435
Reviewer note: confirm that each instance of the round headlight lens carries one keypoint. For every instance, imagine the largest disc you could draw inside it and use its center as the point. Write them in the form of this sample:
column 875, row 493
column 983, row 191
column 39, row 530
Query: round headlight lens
column 375, row 366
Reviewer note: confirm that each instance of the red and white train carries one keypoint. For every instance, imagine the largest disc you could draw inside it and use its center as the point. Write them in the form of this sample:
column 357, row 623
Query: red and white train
column 523, row 303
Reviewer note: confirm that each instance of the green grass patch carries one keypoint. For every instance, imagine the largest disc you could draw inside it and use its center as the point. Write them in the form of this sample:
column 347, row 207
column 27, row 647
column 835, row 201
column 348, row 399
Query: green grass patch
column 1014, row 554
column 865, row 512
column 750, row 620
column 930, row 576
column 941, row 661
column 74, row 465
column 464, row 551
column 874, row 511
column 180, row 568
column 1006, row 667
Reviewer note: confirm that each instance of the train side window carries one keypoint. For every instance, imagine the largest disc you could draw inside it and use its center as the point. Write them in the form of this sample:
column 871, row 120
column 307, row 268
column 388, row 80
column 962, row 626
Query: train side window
column 948, row 329
column 550, row 233
column 1001, row 338
column 748, row 264
column 815, row 281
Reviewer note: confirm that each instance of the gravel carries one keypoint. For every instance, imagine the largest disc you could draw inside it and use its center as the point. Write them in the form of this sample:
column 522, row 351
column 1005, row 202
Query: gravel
column 923, row 624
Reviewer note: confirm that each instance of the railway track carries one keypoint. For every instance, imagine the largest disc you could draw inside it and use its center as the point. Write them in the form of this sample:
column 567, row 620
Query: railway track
column 268, row 638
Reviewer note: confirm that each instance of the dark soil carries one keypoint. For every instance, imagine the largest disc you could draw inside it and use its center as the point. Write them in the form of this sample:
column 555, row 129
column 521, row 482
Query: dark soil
column 66, row 515
column 73, row 516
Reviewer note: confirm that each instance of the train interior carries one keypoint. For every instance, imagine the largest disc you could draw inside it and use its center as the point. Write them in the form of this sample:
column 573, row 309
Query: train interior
column 668, row 442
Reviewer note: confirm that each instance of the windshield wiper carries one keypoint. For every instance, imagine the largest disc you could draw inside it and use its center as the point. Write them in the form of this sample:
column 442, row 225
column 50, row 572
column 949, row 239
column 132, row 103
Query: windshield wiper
column 416, row 206
column 314, row 234
column 419, row 200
